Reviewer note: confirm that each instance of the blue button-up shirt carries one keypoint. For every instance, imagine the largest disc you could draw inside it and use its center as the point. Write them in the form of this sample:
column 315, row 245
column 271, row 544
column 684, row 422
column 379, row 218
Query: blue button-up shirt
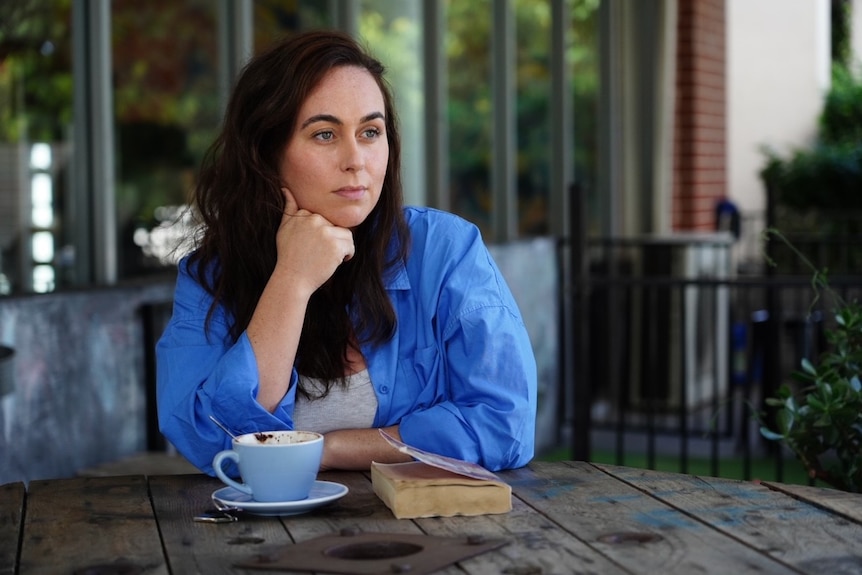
column 458, row 376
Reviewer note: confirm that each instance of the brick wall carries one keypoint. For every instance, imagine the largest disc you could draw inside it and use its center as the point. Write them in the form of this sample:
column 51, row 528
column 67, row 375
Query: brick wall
column 700, row 173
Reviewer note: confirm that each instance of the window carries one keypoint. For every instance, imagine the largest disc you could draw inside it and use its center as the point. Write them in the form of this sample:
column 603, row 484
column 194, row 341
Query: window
column 170, row 65
column 35, row 123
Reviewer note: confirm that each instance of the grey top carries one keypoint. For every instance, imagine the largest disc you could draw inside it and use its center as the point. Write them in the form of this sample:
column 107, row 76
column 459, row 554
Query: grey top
column 350, row 407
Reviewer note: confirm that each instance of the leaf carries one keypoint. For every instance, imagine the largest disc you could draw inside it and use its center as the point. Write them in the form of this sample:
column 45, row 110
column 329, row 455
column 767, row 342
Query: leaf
column 815, row 403
column 769, row 434
column 808, row 367
column 825, row 420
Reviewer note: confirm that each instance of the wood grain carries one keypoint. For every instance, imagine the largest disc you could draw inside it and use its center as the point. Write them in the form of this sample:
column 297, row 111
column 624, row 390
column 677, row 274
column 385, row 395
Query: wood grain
column 81, row 524
column 639, row 532
column 567, row 517
column 209, row 548
column 847, row 504
column 11, row 512
column 535, row 543
column 800, row 535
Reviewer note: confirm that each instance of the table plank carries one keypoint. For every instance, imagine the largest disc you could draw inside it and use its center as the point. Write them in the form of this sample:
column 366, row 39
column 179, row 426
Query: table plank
column 11, row 511
column 359, row 510
column 77, row 524
column 215, row 548
column 636, row 531
column 799, row 534
column 210, row 548
column 847, row 504
column 536, row 544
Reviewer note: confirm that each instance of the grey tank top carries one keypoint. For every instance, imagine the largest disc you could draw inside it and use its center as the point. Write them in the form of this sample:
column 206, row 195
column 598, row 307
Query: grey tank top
column 350, row 407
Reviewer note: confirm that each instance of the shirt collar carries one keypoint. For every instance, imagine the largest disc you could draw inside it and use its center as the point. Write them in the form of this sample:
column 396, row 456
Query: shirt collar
column 396, row 277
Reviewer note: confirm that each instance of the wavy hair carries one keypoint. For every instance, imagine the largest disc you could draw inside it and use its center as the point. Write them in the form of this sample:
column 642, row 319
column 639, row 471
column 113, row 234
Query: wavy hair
column 239, row 200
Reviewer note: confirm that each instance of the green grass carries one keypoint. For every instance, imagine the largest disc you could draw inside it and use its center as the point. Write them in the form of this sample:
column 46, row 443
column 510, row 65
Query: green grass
column 762, row 469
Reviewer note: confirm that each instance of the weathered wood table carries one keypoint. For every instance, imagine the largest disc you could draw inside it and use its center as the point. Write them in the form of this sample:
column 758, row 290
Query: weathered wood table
column 567, row 517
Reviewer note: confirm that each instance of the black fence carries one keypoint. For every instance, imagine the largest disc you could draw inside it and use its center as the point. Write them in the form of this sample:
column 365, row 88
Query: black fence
column 673, row 352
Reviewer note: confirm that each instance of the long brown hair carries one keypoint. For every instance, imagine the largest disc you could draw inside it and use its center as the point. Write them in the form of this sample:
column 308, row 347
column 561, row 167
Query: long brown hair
column 239, row 200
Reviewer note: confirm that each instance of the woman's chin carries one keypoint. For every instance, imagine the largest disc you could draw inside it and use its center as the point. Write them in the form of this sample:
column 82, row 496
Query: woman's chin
column 349, row 219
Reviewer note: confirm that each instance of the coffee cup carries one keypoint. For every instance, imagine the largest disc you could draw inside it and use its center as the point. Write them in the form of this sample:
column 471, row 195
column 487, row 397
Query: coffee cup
column 273, row 465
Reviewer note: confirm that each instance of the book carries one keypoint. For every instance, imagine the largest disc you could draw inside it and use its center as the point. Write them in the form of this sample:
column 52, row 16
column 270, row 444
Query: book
column 437, row 486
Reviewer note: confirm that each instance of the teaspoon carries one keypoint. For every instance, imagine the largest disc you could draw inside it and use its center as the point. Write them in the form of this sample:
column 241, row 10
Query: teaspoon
column 225, row 429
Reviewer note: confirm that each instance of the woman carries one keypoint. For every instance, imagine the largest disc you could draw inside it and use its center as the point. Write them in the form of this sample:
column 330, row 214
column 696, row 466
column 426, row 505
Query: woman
column 315, row 300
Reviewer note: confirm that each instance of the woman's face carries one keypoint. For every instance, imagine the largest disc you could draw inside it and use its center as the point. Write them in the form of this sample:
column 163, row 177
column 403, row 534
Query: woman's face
column 335, row 161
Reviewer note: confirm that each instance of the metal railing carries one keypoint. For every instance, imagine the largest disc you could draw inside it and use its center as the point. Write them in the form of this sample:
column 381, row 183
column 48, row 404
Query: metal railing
column 662, row 357
column 676, row 361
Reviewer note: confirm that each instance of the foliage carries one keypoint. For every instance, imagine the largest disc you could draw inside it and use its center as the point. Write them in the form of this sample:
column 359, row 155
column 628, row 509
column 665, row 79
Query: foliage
column 828, row 175
column 35, row 70
column 841, row 120
column 825, row 177
column 822, row 421
column 469, row 47
column 841, row 15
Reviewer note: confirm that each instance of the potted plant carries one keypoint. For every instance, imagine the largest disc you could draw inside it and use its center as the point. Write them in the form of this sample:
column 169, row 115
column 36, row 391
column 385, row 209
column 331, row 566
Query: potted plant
column 821, row 420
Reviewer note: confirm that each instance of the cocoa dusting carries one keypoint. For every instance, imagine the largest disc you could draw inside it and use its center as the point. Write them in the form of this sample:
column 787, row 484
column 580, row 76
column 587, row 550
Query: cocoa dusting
column 262, row 437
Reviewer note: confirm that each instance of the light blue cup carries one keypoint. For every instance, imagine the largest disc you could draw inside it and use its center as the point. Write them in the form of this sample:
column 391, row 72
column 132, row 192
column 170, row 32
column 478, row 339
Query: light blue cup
column 274, row 465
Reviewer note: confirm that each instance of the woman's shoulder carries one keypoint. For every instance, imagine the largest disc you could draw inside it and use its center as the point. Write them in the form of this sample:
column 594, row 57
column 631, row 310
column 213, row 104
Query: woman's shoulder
column 189, row 287
column 428, row 221
column 441, row 240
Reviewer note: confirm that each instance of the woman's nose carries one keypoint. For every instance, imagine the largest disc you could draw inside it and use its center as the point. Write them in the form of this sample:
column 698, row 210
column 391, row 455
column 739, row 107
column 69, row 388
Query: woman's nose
column 353, row 160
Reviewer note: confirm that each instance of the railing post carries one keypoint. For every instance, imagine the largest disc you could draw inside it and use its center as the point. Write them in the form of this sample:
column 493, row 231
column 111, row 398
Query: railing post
column 579, row 276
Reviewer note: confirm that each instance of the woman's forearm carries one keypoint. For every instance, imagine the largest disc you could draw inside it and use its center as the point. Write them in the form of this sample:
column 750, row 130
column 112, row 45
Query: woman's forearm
column 274, row 332
column 357, row 448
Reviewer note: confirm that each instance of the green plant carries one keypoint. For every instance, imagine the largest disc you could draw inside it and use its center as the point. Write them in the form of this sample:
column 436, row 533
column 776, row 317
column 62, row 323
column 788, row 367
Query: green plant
column 821, row 422
column 828, row 174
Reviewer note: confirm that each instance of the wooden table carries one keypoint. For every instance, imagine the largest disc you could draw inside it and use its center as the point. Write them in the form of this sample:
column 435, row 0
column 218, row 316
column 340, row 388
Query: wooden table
column 567, row 517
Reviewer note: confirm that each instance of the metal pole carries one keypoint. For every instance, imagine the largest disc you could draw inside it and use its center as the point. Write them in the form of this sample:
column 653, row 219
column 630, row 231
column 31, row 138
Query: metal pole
column 503, row 170
column 436, row 117
column 582, row 393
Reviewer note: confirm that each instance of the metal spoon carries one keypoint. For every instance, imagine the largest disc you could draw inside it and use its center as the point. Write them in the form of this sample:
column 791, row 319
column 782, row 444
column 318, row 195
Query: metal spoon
column 222, row 425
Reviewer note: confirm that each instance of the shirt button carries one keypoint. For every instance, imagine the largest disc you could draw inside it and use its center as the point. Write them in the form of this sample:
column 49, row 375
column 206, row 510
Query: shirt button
column 384, row 389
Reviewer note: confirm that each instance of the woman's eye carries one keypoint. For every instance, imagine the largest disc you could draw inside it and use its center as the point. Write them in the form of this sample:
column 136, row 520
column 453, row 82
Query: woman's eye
column 371, row 133
column 325, row 135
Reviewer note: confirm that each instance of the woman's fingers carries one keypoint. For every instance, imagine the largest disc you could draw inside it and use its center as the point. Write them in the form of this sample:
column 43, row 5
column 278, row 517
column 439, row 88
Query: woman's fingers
column 310, row 247
column 290, row 205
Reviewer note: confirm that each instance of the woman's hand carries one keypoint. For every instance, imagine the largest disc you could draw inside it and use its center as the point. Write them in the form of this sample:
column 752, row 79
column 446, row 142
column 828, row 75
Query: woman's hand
column 310, row 248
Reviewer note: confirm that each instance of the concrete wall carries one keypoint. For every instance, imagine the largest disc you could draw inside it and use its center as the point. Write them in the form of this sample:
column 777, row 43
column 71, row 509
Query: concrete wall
column 73, row 394
column 532, row 271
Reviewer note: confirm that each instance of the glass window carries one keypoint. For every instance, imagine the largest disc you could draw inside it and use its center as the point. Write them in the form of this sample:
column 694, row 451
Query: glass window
column 35, row 126
column 275, row 18
column 168, row 88
column 167, row 112
column 392, row 30
column 532, row 110
column 582, row 55
column 468, row 47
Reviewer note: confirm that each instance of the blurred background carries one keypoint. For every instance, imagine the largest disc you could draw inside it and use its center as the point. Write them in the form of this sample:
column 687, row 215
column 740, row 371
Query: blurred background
column 622, row 158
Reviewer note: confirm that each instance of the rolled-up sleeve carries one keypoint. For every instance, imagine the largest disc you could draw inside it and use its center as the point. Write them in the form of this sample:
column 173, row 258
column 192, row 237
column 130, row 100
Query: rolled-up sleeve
column 204, row 374
column 489, row 415
column 477, row 371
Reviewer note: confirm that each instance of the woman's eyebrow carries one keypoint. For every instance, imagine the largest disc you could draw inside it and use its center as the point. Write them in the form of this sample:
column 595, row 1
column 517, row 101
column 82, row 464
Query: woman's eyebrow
column 334, row 120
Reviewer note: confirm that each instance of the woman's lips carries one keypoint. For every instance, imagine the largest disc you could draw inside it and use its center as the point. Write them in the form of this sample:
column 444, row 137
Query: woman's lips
column 351, row 193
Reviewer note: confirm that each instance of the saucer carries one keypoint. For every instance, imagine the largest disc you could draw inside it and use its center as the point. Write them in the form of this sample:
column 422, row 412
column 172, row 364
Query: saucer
column 322, row 492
